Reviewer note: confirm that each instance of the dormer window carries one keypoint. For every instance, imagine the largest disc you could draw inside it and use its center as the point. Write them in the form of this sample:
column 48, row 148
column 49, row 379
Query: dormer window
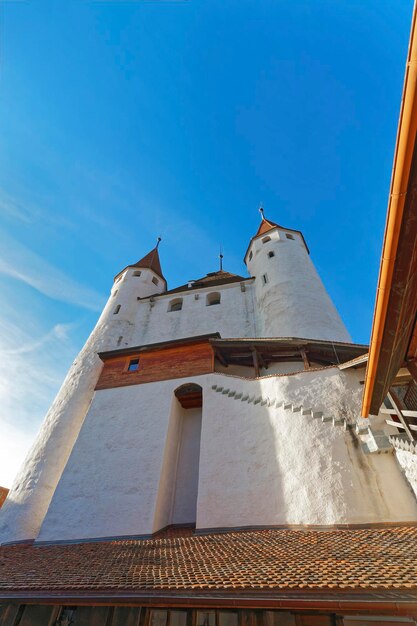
column 175, row 305
column 133, row 365
column 266, row 239
column 213, row 298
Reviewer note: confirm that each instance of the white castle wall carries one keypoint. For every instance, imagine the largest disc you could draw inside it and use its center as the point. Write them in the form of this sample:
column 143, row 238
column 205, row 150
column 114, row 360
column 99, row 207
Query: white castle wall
column 31, row 493
column 233, row 317
column 258, row 465
column 293, row 302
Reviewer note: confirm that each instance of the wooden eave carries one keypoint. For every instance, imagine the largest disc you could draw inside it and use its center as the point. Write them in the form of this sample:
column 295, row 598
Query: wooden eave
column 109, row 354
column 375, row 602
column 267, row 351
column 394, row 334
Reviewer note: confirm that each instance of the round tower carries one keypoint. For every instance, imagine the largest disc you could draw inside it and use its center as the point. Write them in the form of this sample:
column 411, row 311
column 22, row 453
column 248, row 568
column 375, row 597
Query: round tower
column 30, row 496
column 291, row 299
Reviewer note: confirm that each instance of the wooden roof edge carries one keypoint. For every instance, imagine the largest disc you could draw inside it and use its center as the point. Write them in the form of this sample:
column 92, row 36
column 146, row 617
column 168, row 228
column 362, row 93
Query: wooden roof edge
column 301, row 341
column 405, row 151
column 156, row 346
column 395, row 601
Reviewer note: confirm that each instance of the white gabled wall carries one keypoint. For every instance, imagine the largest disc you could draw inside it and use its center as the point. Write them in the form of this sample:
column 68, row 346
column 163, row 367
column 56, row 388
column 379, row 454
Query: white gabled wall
column 293, row 302
column 258, row 465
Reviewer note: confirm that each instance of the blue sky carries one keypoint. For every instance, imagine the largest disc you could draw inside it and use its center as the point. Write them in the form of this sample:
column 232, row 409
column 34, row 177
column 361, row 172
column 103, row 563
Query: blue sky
column 121, row 121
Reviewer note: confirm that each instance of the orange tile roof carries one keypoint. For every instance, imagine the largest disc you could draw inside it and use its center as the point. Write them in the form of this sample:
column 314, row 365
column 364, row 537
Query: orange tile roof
column 274, row 562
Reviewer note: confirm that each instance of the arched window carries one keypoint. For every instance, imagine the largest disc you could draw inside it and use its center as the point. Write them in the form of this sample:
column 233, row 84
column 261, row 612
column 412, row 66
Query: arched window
column 175, row 305
column 266, row 239
column 213, row 298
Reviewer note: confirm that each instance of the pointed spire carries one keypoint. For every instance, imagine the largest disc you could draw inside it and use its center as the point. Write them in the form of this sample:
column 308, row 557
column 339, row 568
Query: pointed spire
column 265, row 224
column 151, row 260
column 221, row 259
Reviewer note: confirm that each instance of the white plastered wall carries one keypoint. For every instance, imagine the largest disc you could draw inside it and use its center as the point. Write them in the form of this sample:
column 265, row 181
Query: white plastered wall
column 258, row 465
column 408, row 463
column 293, row 302
column 233, row 317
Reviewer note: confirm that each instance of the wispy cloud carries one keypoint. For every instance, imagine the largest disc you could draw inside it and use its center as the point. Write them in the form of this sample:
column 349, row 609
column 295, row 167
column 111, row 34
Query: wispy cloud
column 20, row 263
column 31, row 372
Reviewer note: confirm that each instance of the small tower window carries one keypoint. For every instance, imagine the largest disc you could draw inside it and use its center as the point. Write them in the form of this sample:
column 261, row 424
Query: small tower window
column 175, row 305
column 264, row 278
column 266, row 239
column 213, row 298
column 288, row 236
column 133, row 365
column 250, row 255
column 155, row 281
column 115, row 293
column 271, row 254
column 117, row 309
column 137, row 273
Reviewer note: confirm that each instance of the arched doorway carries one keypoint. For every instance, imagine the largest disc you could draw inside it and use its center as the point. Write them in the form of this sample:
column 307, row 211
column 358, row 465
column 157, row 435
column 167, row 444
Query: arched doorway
column 178, row 488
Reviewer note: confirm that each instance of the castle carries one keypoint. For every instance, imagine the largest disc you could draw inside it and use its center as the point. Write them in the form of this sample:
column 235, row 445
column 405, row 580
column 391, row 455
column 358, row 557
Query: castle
column 226, row 403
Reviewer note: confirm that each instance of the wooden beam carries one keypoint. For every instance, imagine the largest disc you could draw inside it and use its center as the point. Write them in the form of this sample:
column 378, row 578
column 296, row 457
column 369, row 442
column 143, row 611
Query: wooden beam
column 412, row 368
column 220, row 357
column 305, row 359
column 255, row 361
column 397, row 404
column 262, row 361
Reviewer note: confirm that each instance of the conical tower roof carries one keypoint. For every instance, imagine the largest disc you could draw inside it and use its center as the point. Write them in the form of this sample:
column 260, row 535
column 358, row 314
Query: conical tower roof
column 150, row 261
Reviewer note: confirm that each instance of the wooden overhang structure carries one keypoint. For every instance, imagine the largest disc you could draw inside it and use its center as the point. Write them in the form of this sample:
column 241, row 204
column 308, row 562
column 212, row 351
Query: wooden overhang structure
column 394, row 332
column 261, row 353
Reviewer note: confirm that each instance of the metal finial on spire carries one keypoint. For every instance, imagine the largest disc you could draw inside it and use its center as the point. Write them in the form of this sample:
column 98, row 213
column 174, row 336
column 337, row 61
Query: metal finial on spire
column 261, row 211
column 158, row 241
column 221, row 259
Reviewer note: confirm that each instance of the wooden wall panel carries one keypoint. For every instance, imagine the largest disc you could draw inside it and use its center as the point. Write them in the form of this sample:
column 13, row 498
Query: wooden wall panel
column 163, row 364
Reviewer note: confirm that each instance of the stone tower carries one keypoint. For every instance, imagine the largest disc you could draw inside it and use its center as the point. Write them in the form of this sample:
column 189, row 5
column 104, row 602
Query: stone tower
column 291, row 299
column 35, row 484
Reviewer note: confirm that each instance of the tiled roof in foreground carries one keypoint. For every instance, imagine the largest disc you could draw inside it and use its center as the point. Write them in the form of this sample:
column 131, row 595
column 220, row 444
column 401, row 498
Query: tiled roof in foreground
column 257, row 562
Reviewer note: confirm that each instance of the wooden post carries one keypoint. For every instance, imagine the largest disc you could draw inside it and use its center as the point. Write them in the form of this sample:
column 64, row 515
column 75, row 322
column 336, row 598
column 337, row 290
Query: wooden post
column 412, row 368
column 255, row 362
column 305, row 359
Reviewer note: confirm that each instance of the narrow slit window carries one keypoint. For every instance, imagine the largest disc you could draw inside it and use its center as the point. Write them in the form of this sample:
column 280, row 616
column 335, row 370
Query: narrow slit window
column 250, row 255
column 115, row 293
column 264, row 278
column 117, row 309
column 133, row 365
column 212, row 299
column 266, row 239
column 271, row 254
column 155, row 281
column 288, row 236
